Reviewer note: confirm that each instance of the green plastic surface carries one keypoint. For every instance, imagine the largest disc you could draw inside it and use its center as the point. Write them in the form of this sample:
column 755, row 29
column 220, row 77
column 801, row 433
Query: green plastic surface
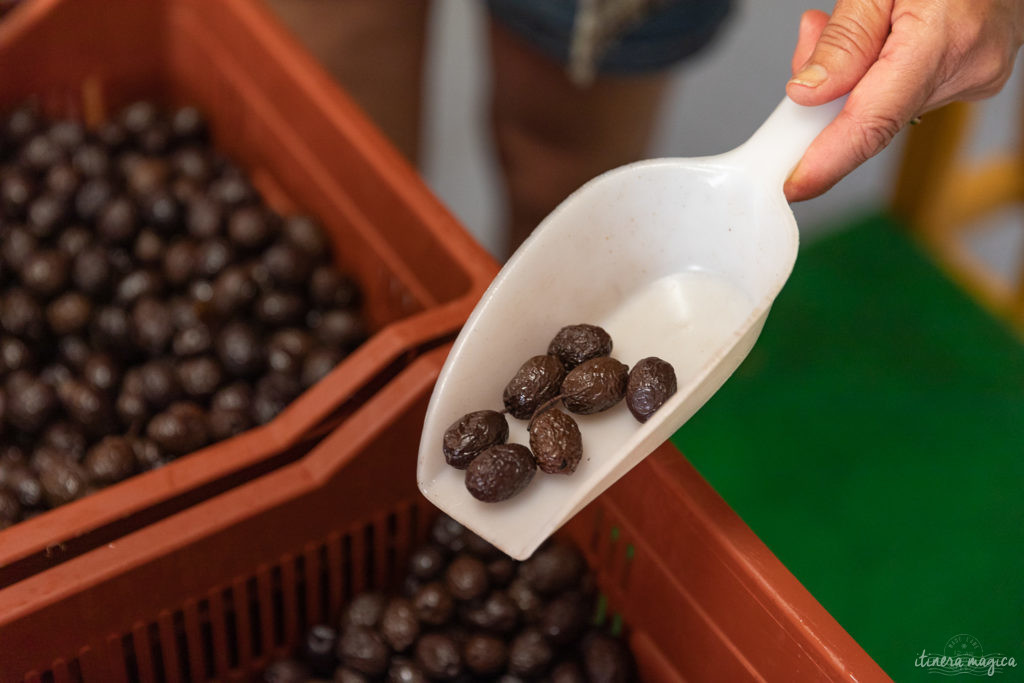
column 874, row 440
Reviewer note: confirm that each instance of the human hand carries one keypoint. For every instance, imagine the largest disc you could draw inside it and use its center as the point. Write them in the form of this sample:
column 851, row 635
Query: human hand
column 897, row 59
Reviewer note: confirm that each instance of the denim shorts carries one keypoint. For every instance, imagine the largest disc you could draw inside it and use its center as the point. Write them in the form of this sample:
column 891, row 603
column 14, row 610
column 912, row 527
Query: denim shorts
column 667, row 35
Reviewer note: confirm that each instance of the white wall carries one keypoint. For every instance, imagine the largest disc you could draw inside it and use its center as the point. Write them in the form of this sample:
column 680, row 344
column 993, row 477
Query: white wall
column 457, row 157
column 718, row 99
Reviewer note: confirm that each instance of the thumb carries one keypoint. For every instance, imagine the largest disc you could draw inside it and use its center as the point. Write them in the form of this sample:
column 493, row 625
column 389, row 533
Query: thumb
column 849, row 44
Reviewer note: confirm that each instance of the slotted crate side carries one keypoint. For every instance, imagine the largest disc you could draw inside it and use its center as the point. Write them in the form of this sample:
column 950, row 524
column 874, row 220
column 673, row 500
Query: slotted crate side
column 673, row 553
column 232, row 631
column 235, row 630
column 306, row 146
column 325, row 499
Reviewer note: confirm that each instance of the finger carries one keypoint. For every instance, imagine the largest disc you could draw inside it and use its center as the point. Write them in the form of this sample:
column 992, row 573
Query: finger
column 812, row 22
column 893, row 91
column 849, row 44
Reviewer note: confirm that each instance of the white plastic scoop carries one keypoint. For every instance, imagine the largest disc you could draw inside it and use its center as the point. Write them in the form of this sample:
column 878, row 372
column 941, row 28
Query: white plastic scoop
column 675, row 258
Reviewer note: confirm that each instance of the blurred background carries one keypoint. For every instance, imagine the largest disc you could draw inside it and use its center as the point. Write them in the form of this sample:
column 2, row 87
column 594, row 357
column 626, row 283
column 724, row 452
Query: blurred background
column 717, row 100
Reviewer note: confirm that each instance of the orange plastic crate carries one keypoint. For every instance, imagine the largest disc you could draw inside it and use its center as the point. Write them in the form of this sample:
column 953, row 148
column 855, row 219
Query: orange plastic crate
column 306, row 146
column 219, row 590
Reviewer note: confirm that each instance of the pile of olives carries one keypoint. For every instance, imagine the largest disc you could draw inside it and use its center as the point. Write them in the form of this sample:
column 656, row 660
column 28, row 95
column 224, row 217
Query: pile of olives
column 150, row 302
column 467, row 612
column 577, row 371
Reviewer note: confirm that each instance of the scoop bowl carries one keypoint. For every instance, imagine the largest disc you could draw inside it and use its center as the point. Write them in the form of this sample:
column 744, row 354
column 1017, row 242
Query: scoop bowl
column 675, row 258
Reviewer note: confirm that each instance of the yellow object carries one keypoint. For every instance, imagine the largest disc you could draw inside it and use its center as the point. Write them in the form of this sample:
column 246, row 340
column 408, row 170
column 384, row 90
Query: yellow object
column 941, row 195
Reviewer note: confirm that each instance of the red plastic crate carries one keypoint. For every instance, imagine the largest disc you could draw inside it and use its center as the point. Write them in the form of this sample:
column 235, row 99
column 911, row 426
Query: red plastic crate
column 218, row 590
column 306, row 146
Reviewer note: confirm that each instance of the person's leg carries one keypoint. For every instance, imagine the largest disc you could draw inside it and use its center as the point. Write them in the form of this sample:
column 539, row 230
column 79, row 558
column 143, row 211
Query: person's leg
column 375, row 50
column 552, row 136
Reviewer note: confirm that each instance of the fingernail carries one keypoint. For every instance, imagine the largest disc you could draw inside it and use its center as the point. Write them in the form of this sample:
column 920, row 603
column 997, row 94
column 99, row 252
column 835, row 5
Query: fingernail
column 810, row 76
column 793, row 176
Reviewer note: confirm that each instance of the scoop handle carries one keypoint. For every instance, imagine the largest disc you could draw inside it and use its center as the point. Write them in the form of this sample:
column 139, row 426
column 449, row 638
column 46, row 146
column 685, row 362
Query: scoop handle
column 774, row 149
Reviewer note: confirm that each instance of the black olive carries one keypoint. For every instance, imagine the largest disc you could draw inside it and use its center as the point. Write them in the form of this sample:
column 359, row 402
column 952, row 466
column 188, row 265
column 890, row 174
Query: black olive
column 439, row 655
column 306, row 234
column 319, row 649
column 398, row 624
column 466, row 578
column 471, row 434
column 362, row 649
column 595, row 385
column 485, row 655
column 110, row 461
column 553, row 568
column 577, row 343
column 498, row 613
column 364, row 610
column 556, row 442
column 564, row 618
column 500, row 472
column 529, row 654
column 433, row 604
column 651, row 382
column 605, row 659
column 536, row 382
